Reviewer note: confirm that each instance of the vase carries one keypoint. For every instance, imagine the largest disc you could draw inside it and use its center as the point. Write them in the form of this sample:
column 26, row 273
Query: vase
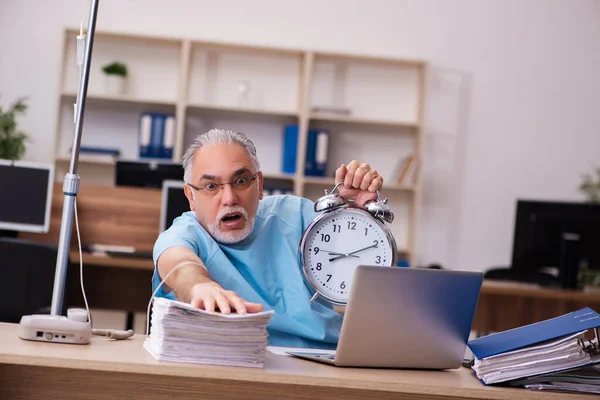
column 115, row 85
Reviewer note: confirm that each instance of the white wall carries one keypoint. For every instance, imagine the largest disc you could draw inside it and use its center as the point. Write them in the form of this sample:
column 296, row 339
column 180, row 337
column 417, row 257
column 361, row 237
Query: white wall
column 514, row 98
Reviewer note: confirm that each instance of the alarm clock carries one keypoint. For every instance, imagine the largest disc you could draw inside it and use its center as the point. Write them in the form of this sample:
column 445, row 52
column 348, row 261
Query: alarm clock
column 340, row 239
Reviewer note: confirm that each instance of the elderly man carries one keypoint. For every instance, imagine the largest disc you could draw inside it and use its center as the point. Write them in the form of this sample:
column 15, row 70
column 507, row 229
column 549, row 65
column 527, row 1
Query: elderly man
column 237, row 251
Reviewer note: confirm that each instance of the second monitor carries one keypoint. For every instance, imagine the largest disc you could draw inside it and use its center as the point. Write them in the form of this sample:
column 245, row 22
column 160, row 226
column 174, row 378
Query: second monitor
column 146, row 173
column 25, row 197
column 558, row 236
column 173, row 203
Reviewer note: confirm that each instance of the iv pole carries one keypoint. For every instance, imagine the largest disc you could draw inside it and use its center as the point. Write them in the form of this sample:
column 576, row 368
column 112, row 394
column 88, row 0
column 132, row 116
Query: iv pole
column 71, row 181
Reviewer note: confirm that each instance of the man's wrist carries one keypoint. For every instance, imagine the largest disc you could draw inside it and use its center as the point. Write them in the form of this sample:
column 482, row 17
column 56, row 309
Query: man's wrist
column 205, row 284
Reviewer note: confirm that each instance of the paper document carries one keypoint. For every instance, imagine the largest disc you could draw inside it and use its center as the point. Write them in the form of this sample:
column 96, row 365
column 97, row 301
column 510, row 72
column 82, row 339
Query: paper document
column 182, row 333
column 557, row 355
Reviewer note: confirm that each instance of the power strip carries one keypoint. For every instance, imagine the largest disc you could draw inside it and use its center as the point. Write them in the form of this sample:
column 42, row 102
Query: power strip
column 74, row 329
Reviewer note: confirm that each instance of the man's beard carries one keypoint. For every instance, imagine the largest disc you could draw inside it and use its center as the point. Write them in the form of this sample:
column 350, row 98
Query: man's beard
column 234, row 235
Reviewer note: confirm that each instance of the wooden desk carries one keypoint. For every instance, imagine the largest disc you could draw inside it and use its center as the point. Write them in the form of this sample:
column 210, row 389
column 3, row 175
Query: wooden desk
column 507, row 305
column 116, row 216
column 117, row 369
column 113, row 283
column 124, row 216
column 114, row 262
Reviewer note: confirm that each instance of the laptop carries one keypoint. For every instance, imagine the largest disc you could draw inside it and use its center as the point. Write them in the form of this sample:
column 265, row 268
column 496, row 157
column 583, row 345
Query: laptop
column 404, row 318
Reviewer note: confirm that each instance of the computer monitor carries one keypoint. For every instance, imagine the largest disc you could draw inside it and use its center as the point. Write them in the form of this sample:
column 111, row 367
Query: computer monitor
column 555, row 235
column 146, row 173
column 25, row 196
column 173, row 204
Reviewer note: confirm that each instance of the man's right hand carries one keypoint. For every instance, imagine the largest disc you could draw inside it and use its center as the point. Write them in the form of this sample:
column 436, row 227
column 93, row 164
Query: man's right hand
column 211, row 296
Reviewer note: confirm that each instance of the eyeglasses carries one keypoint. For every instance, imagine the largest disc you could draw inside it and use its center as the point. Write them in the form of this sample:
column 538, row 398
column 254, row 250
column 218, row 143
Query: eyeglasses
column 212, row 188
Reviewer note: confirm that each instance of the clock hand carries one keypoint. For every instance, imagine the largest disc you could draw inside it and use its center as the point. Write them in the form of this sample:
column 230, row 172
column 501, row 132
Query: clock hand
column 352, row 254
column 340, row 255
column 334, row 253
column 364, row 248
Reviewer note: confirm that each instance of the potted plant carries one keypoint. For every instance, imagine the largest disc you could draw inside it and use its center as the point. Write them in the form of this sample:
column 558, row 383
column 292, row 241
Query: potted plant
column 116, row 74
column 12, row 140
column 590, row 186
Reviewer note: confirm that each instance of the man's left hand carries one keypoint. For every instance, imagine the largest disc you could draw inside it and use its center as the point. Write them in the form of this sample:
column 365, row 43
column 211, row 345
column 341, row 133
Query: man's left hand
column 360, row 182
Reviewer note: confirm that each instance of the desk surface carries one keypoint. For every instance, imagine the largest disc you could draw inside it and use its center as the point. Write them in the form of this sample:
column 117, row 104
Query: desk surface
column 534, row 291
column 119, row 367
column 108, row 261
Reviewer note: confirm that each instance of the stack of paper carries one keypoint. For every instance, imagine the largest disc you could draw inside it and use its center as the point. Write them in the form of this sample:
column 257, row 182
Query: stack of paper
column 546, row 347
column 556, row 355
column 182, row 333
column 584, row 380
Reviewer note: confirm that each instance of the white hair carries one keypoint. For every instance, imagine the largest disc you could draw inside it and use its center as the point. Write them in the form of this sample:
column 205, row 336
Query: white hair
column 214, row 137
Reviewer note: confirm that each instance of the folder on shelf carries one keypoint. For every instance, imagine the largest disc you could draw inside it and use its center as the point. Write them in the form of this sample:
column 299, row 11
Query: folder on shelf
column 317, row 151
column 311, row 147
column 548, row 346
column 145, row 130
column 321, row 152
column 169, row 137
column 156, row 135
column 111, row 151
column 290, row 149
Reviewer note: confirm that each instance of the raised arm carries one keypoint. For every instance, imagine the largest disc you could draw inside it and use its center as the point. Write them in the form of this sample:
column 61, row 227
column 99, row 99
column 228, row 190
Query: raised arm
column 192, row 283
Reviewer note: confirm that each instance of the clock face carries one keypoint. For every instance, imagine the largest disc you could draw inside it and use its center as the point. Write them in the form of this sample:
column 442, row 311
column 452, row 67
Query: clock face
column 336, row 243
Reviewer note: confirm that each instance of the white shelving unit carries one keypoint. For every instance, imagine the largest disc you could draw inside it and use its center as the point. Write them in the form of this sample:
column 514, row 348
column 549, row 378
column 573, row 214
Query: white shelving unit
column 199, row 82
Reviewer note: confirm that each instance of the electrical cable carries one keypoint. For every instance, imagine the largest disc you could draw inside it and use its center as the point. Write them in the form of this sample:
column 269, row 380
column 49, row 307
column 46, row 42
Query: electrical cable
column 109, row 333
column 181, row 264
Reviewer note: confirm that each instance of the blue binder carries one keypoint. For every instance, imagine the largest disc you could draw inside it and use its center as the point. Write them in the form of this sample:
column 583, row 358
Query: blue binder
column 311, row 148
column 513, row 339
column 290, row 144
column 314, row 165
column 156, row 135
column 319, row 155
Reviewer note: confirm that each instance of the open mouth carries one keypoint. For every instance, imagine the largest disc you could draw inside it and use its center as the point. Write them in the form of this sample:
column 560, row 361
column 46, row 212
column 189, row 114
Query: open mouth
column 232, row 220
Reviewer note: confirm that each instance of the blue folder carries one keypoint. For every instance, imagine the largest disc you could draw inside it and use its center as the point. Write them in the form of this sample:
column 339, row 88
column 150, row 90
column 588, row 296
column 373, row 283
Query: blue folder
column 513, row 339
column 290, row 143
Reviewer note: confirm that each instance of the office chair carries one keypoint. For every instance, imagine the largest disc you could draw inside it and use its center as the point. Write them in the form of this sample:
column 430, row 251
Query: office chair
column 27, row 271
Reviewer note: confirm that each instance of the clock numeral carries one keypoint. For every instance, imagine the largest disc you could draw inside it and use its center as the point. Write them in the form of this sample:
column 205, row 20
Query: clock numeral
column 378, row 260
column 337, row 228
column 325, row 237
column 329, row 277
column 319, row 266
column 352, row 225
column 343, row 285
column 316, row 249
column 376, row 242
column 366, row 231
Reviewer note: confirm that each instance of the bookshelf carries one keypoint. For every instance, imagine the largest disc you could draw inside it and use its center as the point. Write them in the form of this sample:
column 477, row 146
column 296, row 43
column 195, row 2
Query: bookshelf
column 373, row 108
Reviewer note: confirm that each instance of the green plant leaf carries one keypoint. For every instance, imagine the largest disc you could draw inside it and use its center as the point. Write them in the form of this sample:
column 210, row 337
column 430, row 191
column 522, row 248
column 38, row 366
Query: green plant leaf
column 19, row 106
column 115, row 68
column 12, row 141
